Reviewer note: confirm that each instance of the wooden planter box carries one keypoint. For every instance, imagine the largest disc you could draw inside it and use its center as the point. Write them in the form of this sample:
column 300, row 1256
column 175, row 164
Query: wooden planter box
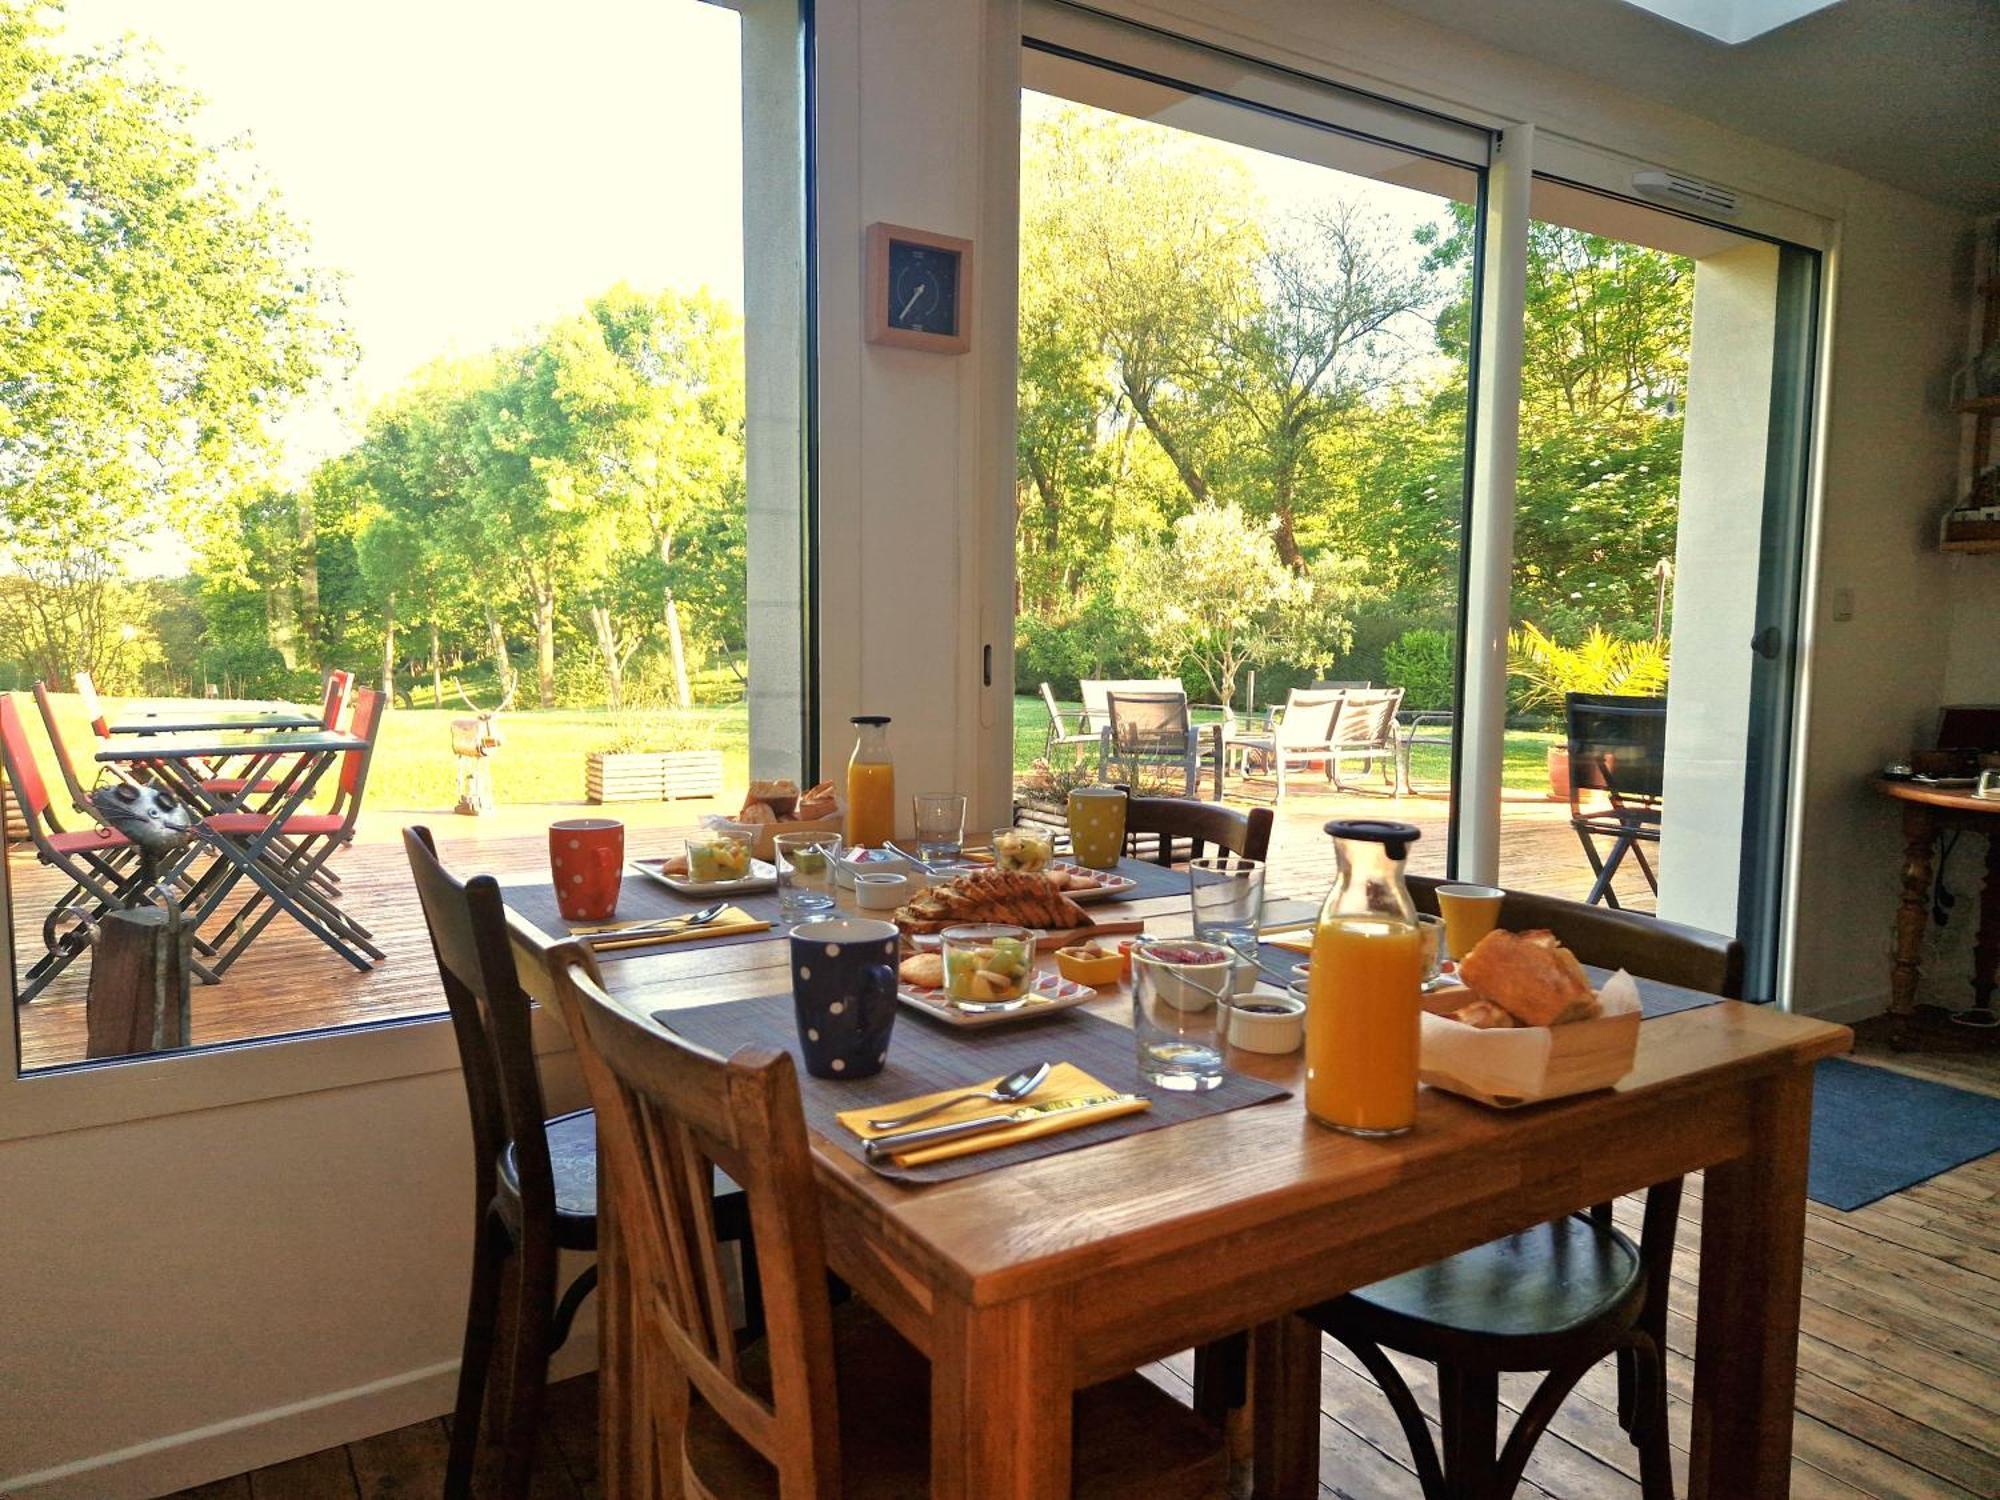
column 651, row 775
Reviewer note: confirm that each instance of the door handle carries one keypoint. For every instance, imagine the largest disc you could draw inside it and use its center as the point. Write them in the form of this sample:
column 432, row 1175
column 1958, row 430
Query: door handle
column 1767, row 642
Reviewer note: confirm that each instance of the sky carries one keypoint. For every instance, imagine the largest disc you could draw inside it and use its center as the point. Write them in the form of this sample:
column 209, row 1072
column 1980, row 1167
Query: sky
column 473, row 170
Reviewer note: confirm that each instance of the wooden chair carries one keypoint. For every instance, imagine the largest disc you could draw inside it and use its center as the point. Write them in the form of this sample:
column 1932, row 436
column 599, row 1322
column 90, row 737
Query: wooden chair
column 830, row 1404
column 1173, row 820
column 1556, row 1298
column 1617, row 750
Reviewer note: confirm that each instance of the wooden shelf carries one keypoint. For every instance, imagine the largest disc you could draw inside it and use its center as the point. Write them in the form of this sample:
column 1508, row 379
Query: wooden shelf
column 1971, row 548
column 1972, row 537
column 1979, row 406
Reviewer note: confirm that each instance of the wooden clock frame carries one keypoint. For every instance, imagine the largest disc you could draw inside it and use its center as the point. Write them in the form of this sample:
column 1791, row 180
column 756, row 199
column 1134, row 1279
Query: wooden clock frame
column 877, row 262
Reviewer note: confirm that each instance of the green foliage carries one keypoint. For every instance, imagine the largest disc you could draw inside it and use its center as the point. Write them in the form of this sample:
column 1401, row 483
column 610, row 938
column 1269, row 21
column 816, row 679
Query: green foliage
column 1545, row 669
column 1420, row 663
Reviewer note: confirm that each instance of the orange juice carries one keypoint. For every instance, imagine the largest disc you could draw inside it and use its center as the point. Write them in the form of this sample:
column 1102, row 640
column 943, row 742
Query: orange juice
column 871, row 803
column 1361, row 1023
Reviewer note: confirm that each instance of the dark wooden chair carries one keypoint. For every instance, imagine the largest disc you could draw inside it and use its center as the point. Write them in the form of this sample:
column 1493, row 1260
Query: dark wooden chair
column 1178, row 821
column 1555, row 1298
column 830, row 1403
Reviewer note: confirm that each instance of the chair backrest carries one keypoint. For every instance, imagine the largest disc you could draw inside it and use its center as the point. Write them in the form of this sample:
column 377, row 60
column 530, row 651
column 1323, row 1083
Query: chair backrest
column 1345, row 686
column 93, row 709
column 26, row 776
column 668, row 1115
column 1244, row 833
column 333, row 698
column 1367, row 718
column 1055, row 710
column 1155, row 722
column 369, row 706
column 1309, row 716
column 1097, row 692
column 1617, row 744
column 492, row 1021
column 78, row 792
column 1669, row 952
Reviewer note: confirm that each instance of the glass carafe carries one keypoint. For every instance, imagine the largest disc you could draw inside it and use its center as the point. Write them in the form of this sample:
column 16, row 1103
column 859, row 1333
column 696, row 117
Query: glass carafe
column 1362, row 1023
column 871, row 785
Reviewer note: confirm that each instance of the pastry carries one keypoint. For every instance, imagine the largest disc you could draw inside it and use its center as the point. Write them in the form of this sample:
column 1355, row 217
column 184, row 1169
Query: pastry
column 781, row 797
column 1484, row 1014
column 925, row 971
column 1010, row 896
column 1531, row 976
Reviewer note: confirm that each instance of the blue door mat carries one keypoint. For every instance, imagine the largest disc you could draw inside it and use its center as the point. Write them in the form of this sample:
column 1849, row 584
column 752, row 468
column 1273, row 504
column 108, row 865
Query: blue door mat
column 1875, row 1132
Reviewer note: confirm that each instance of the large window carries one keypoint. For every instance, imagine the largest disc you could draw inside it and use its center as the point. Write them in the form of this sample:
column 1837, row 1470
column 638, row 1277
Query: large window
column 374, row 341
column 1246, row 325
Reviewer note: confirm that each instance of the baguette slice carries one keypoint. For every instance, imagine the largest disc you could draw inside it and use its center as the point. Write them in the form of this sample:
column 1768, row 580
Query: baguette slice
column 1531, row 976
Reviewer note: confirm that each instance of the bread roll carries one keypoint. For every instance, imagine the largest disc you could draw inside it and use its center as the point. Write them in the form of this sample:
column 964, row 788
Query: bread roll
column 1485, row 1015
column 1531, row 976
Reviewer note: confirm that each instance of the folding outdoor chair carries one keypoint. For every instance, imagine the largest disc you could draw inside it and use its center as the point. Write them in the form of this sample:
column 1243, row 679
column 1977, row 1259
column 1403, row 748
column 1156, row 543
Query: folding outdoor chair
column 1060, row 733
column 284, row 856
column 1154, row 728
column 1617, row 748
column 269, row 778
column 99, row 864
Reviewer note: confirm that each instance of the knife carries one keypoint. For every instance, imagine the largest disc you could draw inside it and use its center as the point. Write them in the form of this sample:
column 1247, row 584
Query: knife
column 901, row 1140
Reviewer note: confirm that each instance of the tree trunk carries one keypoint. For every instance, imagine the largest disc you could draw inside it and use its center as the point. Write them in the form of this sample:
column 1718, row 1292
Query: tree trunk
column 545, row 649
column 607, row 648
column 309, row 580
column 496, row 641
column 1142, row 403
column 437, row 669
column 678, row 652
column 389, row 649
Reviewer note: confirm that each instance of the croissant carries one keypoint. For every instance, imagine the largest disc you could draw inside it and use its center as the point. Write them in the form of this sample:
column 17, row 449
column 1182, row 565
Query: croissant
column 1015, row 897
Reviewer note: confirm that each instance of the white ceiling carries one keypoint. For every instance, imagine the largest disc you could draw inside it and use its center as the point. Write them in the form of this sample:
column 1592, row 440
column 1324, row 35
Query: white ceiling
column 1905, row 91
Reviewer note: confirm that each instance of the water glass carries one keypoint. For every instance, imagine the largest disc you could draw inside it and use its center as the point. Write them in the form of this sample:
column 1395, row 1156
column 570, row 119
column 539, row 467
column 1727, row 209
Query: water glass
column 805, row 863
column 1227, row 894
column 1430, row 936
column 1176, row 1019
column 940, row 819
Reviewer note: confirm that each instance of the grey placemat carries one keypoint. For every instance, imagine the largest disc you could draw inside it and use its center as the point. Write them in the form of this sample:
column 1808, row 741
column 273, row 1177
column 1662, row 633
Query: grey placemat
column 926, row 1056
column 1655, row 998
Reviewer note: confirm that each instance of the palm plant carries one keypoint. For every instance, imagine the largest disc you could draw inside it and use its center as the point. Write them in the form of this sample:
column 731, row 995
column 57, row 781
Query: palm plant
column 1547, row 670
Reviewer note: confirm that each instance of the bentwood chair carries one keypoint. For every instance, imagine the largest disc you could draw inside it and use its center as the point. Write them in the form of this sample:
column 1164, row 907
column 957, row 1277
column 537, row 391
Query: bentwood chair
column 830, row 1403
column 1556, row 1298
column 1177, row 823
column 1617, row 760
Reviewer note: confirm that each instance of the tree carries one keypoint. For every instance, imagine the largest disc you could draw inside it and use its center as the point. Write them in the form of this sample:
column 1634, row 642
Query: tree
column 157, row 309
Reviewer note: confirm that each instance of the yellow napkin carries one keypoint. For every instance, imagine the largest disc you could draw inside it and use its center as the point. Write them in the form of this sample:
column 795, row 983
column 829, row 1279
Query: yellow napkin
column 604, row 935
column 1065, row 1081
column 1291, row 939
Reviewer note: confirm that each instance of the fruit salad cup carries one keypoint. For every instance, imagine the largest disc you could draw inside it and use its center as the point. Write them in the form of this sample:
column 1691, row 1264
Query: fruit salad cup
column 717, row 856
column 988, row 966
column 1028, row 849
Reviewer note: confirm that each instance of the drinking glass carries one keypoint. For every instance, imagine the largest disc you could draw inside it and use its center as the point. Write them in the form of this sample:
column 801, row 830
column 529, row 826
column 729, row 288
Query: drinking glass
column 805, row 864
column 988, row 966
column 1228, row 898
column 1431, row 937
column 1023, row 848
column 1176, row 1021
column 940, row 819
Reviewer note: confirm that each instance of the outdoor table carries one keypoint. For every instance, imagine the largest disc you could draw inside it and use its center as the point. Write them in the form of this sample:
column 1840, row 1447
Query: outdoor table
column 259, row 855
column 198, row 720
column 1026, row 1282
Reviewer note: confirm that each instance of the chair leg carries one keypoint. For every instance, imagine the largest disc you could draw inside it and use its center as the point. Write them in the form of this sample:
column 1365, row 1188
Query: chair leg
column 528, row 1366
column 489, row 1255
column 1410, row 1416
column 1649, row 1431
column 1469, row 1416
column 1534, row 1421
column 1222, row 1377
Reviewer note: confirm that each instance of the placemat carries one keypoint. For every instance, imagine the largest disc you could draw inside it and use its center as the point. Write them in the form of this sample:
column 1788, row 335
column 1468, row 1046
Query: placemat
column 640, row 899
column 1655, row 998
column 926, row 1056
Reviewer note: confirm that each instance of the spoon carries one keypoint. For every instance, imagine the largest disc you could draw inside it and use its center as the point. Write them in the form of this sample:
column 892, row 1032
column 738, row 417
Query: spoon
column 671, row 924
column 1014, row 1086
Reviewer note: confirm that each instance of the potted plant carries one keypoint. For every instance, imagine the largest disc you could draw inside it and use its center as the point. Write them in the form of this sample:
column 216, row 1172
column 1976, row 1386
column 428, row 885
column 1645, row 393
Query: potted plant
column 1547, row 672
column 653, row 760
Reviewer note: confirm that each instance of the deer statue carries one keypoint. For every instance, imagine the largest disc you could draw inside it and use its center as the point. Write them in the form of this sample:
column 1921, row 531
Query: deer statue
column 474, row 741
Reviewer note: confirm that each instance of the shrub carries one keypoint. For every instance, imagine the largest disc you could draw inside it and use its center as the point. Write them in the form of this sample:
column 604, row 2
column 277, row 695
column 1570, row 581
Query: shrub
column 1544, row 670
column 1420, row 663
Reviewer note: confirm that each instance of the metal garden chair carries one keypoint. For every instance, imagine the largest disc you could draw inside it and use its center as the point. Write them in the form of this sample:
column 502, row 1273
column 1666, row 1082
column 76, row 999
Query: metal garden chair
column 1617, row 750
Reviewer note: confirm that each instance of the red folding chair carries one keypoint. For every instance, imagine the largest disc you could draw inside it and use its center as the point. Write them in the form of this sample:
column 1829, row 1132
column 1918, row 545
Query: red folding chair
column 100, row 865
column 93, row 709
column 332, row 708
column 284, row 855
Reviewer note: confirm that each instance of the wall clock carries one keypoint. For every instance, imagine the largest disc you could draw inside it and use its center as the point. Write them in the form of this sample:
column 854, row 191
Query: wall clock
column 919, row 289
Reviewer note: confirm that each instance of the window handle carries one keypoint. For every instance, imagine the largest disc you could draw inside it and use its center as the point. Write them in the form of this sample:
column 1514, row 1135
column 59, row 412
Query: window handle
column 1766, row 642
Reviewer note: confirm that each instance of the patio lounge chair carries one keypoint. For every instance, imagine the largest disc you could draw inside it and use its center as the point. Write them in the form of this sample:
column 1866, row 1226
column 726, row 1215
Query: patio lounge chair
column 1617, row 750
column 1365, row 730
column 1060, row 733
column 1300, row 731
column 1154, row 729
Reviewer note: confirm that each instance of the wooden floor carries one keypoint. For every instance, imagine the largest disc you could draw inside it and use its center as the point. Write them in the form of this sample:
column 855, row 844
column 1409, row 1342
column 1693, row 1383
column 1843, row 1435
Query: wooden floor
column 289, row 982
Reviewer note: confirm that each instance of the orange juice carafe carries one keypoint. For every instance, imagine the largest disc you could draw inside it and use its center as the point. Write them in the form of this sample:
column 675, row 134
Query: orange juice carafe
column 1367, row 971
column 871, row 785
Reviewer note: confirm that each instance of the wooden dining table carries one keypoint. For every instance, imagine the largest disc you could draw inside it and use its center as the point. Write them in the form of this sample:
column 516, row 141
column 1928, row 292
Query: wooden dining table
column 1026, row 1282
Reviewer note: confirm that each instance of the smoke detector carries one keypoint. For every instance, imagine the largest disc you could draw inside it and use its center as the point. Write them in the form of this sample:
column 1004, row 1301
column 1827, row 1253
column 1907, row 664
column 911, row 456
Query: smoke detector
column 1684, row 191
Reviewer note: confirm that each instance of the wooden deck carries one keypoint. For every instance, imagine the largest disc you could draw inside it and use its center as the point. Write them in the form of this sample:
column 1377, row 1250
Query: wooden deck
column 1899, row 1383
column 288, row 982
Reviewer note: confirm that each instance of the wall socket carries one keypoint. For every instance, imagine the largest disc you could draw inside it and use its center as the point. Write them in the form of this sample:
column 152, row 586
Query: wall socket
column 1843, row 604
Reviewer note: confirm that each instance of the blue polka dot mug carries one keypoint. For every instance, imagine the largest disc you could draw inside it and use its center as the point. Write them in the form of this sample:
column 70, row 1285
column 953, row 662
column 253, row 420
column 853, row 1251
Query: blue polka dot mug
column 844, row 992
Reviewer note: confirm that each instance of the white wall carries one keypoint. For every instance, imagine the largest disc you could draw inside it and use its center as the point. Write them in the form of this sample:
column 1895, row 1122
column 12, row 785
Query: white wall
column 235, row 1284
